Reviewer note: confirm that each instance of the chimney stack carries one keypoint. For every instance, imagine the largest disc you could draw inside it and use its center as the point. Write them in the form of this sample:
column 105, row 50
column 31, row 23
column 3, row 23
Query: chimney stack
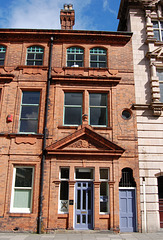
column 67, row 17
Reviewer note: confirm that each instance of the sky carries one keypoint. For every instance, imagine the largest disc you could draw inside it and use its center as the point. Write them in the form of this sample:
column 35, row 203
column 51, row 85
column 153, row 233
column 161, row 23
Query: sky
column 98, row 15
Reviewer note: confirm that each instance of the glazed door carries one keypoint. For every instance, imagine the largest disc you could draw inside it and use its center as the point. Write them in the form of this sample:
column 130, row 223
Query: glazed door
column 127, row 204
column 84, row 205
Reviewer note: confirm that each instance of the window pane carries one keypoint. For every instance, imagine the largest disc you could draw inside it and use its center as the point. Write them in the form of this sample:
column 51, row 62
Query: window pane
column 29, row 112
column 104, row 197
column 93, row 57
column 22, row 198
column 72, row 115
column 98, row 116
column 39, row 56
column 2, row 55
column 31, row 97
column 155, row 24
column 65, row 173
column 28, row 126
column 81, row 174
column 97, row 99
column 79, row 57
column 156, row 34
column 1, row 62
column 30, row 62
column 64, row 190
column 23, row 177
column 102, row 58
column 104, row 174
column 93, row 64
column 70, row 57
column 161, row 92
column 80, row 64
column 30, row 56
column 73, row 98
column 102, row 64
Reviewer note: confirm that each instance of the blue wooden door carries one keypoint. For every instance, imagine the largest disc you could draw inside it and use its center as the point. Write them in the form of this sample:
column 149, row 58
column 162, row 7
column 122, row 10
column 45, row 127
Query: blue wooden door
column 127, row 205
column 84, row 205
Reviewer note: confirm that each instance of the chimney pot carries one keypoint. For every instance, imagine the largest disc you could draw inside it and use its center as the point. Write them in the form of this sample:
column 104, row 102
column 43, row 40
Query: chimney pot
column 70, row 6
column 65, row 7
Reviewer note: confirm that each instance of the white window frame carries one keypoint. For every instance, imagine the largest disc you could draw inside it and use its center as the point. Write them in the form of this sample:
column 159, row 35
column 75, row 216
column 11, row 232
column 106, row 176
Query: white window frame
column 159, row 29
column 106, row 181
column 60, row 201
column 21, row 210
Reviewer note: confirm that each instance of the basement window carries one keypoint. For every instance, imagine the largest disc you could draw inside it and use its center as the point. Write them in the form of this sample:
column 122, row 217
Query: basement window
column 64, row 190
column 35, row 56
column 104, row 190
column 21, row 198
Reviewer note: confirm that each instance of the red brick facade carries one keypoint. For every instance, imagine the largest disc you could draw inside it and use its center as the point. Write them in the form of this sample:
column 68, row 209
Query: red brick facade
column 112, row 147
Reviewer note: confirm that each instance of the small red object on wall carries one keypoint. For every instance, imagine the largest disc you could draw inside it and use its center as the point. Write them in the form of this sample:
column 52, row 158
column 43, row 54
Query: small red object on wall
column 10, row 118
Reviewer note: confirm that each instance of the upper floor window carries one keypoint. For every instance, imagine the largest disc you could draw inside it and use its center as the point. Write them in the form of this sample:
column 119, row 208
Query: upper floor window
column 35, row 56
column 75, row 57
column 158, row 30
column 160, row 76
column 98, row 58
column 21, row 198
column 2, row 55
column 73, row 108
column 98, row 109
column 29, row 112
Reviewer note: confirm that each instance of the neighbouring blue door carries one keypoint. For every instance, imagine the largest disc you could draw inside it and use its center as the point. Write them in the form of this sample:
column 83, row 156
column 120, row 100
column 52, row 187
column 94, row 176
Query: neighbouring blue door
column 84, row 205
column 127, row 205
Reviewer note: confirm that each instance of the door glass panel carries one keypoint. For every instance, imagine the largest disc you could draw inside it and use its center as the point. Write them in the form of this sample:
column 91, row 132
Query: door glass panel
column 84, row 184
column 79, row 184
column 78, row 199
column 83, row 218
column 84, row 199
column 78, row 218
column 89, row 199
column 89, row 219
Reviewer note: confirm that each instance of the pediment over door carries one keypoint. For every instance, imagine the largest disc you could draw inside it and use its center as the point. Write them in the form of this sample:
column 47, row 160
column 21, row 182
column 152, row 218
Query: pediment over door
column 85, row 141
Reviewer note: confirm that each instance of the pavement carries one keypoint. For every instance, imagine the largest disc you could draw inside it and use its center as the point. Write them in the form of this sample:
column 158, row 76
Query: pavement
column 82, row 235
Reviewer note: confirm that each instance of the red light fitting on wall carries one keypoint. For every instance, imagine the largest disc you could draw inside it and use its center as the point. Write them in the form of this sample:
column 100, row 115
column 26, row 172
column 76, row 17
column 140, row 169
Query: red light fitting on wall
column 9, row 118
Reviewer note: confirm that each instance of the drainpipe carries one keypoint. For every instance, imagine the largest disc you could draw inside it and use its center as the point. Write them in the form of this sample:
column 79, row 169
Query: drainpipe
column 44, row 139
column 145, row 208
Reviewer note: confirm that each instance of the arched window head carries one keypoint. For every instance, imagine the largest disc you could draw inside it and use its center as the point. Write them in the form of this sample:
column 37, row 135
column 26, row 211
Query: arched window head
column 98, row 58
column 75, row 57
column 127, row 179
column 35, row 56
column 2, row 55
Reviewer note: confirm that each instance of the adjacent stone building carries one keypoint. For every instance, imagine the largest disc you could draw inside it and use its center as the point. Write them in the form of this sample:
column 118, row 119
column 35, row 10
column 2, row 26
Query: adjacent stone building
column 68, row 136
column 145, row 19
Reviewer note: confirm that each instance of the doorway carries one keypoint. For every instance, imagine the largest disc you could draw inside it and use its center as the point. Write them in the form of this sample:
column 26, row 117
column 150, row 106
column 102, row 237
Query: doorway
column 127, row 201
column 160, row 195
column 84, row 205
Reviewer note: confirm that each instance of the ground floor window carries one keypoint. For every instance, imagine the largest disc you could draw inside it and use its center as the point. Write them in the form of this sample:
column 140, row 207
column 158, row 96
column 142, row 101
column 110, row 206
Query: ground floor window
column 64, row 190
column 22, row 188
column 104, row 190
